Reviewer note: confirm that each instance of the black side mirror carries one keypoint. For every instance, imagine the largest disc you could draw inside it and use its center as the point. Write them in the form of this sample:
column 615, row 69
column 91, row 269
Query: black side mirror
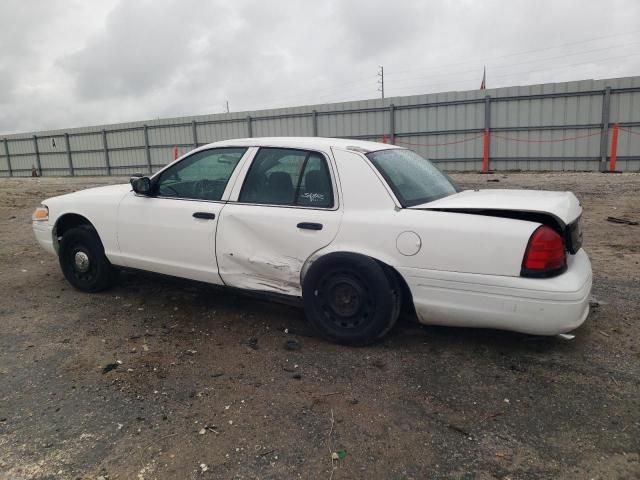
column 141, row 185
column 134, row 177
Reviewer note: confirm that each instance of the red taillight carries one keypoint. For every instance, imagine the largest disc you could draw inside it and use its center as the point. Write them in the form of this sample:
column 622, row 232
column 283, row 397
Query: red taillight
column 545, row 254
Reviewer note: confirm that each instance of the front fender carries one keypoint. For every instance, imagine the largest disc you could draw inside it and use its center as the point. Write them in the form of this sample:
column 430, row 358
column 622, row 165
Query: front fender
column 99, row 206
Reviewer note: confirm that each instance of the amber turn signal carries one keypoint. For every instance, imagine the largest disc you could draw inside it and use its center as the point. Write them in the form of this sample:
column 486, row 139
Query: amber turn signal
column 41, row 213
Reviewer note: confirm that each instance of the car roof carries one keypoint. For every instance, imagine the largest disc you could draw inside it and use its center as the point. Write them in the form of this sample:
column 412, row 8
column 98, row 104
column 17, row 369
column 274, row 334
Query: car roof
column 319, row 143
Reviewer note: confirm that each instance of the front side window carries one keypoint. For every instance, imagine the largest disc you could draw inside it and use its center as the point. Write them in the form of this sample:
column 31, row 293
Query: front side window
column 202, row 176
column 281, row 176
column 413, row 179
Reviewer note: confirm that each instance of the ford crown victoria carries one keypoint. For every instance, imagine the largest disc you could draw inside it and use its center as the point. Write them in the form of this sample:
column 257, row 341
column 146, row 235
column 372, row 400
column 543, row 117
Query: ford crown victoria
column 355, row 230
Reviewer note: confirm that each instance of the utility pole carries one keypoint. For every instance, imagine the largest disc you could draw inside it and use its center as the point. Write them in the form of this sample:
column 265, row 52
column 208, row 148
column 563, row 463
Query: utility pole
column 381, row 80
column 226, row 104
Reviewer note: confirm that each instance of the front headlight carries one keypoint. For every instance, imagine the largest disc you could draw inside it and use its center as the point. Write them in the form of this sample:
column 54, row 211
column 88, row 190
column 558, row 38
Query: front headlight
column 41, row 214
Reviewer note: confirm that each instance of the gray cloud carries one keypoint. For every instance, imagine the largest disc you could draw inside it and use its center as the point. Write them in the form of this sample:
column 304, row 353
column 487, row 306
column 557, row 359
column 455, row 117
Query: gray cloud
column 73, row 63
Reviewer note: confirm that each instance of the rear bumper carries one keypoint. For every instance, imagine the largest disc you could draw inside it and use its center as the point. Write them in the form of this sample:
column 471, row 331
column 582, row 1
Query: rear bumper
column 44, row 235
column 535, row 306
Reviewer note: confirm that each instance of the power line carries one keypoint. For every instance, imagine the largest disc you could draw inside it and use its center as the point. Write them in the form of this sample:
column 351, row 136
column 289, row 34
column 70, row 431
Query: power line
column 525, row 72
column 484, row 60
column 360, row 83
column 446, row 74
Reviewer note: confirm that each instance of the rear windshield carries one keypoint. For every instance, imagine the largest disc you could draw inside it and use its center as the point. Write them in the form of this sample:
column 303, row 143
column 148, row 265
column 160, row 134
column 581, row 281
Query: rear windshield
column 413, row 179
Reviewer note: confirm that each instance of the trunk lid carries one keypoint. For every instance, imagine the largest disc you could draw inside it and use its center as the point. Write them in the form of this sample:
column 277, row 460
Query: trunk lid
column 563, row 206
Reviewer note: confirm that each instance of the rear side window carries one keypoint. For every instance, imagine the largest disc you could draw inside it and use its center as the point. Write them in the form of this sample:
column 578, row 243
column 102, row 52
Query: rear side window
column 413, row 179
column 281, row 176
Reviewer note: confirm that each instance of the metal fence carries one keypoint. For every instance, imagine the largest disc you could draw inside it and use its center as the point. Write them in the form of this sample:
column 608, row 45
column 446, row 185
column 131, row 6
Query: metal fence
column 560, row 126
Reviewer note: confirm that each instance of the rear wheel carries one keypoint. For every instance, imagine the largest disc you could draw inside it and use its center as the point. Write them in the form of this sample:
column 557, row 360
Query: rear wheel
column 83, row 261
column 350, row 299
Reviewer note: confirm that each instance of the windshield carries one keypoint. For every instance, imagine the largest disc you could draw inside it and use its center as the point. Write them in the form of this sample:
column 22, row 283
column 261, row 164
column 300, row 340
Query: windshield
column 413, row 179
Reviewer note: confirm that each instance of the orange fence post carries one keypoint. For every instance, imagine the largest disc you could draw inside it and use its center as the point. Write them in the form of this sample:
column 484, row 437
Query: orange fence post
column 175, row 152
column 485, row 153
column 614, row 147
column 385, row 139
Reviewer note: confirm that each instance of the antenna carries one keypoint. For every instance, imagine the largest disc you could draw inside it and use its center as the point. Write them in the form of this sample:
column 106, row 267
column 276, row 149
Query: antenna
column 381, row 80
column 226, row 104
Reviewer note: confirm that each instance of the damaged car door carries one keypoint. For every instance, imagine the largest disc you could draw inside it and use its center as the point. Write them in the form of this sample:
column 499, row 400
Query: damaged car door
column 286, row 209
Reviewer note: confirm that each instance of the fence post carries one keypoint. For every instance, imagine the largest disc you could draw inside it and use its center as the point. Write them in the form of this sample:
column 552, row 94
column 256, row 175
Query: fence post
column 147, row 150
column 69, row 160
column 106, row 151
column 614, row 147
column 314, row 122
column 37, row 151
column 392, row 124
column 249, row 127
column 6, row 152
column 194, row 132
column 604, row 136
column 487, row 126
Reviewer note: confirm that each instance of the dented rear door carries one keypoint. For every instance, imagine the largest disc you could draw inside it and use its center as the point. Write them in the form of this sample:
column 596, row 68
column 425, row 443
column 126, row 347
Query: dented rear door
column 262, row 246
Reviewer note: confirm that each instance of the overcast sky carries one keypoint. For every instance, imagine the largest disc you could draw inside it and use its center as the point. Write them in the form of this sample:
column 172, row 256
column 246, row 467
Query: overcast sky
column 79, row 62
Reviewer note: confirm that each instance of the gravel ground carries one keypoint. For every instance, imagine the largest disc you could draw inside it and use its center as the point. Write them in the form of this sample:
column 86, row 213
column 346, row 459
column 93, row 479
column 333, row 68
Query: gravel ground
column 207, row 389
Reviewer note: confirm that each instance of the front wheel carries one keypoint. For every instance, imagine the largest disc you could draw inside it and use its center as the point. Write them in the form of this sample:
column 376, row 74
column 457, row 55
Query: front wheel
column 350, row 299
column 83, row 261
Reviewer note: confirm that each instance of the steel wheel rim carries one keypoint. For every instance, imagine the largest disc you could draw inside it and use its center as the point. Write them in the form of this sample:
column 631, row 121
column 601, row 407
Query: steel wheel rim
column 344, row 299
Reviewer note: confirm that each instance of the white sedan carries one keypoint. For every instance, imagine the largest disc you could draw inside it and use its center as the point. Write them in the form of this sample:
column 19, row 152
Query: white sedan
column 355, row 229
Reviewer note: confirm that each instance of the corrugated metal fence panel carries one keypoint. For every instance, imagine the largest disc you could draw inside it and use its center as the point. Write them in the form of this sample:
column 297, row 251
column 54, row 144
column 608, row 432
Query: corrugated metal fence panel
column 85, row 162
column 20, row 146
column 274, row 127
column 460, row 117
column 215, row 132
column 86, row 142
column 461, row 156
column 160, row 156
column 51, row 144
column 625, row 108
column 54, row 164
column 353, row 123
column 136, row 158
column 556, row 111
column 129, row 138
column 170, row 135
column 537, row 127
column 545, row 144
column 629, row 146
column 4, row 167
column 23, row 162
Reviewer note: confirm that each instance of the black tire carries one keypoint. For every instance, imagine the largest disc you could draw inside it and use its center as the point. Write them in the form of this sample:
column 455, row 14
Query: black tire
column 83, row 261
column 351, row 299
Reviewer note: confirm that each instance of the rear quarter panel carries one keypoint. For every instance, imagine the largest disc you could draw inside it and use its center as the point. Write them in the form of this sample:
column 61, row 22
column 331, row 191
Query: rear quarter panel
column 453, row 242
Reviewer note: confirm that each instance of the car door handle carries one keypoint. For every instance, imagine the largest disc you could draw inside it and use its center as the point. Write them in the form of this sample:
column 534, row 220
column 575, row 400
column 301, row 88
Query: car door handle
column 310, row 226
column 204, row 215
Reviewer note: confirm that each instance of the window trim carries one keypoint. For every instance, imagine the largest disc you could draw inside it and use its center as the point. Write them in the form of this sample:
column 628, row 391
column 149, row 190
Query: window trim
column 155, row 178
column 330, row 170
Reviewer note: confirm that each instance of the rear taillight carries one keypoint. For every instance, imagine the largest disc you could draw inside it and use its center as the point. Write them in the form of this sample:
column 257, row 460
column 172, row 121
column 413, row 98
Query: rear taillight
column 545, row 255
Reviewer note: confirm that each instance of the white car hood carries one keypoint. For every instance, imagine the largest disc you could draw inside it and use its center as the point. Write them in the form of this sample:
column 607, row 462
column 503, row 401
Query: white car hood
column 562, row 205
column 116, row 191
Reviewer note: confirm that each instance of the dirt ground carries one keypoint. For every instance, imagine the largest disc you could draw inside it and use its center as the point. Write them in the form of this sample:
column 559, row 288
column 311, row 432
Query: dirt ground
column 206, row 388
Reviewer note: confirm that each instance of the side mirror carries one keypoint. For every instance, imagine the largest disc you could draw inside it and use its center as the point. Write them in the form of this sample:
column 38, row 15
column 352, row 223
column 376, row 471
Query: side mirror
column 141, row 185
column 134, row 177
